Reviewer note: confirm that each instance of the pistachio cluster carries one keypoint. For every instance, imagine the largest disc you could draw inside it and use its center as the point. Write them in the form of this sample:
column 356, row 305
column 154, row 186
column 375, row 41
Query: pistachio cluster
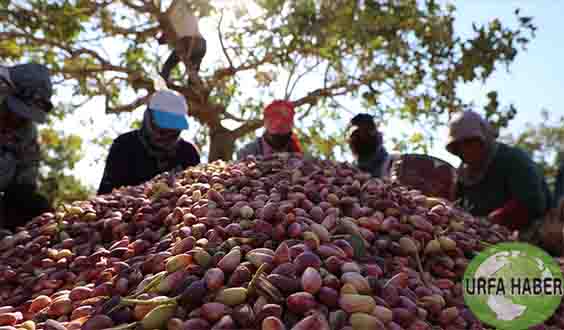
column 268, row 244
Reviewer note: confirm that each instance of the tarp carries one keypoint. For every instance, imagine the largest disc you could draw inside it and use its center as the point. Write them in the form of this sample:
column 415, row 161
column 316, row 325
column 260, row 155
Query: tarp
column 432, row 176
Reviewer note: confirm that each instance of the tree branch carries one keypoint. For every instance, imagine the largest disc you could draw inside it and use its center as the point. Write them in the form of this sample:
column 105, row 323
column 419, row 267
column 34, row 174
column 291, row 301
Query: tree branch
column 342, row 106
column 78, row 105
column 104, row 64
column 15, row 35
column 326, row 75
column 88, row 8
column 306, row 113
column 145, row 7
column 292, row 71
column 221, row 40
column 128, row 107
column 229, row 115
column 248, row 127
column 303, row 74
column 149, row 32
column 314, row 96
column 223, row 73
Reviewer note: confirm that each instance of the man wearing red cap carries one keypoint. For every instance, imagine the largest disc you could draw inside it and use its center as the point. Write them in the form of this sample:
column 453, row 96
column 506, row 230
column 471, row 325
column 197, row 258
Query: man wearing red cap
column 278, row 136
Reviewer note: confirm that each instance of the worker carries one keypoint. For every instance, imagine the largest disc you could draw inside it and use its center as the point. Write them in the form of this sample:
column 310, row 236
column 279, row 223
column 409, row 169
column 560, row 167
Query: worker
column 367, row 145
column 279, row 136
column 551, row 233
column 495, row 180
column 187, row 43
column 138, row 156
column 25, row 100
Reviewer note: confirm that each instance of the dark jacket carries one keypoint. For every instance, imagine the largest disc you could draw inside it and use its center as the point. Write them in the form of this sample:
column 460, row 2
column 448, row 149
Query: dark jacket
column 129, row 164
column 255, row 148
column 19, row 204
column 378, row 168
column 19, row 158
column 512, row 176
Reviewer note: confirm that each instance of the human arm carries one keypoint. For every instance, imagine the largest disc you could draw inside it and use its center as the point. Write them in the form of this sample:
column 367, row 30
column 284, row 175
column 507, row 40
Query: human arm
column 525, row 185
column 386, row 170
column 190, row 156
column 113, row 176
column 240, row 154
column 513, row 214
column 197, row 159
column 248, row 150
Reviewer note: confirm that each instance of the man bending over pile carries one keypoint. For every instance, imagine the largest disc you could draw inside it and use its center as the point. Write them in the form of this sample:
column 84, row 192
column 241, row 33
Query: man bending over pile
column 138, row 156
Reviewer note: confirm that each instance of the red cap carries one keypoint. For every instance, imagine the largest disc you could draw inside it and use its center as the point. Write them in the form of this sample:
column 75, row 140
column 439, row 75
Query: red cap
column 279, row 117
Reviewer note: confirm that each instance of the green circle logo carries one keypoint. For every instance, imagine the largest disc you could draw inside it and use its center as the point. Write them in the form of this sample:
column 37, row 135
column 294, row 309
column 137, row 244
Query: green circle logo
column 513, row 286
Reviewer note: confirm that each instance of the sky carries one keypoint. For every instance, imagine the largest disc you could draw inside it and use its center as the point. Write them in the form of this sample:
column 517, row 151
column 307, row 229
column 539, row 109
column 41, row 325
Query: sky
column 536, row 78
column 535, row 81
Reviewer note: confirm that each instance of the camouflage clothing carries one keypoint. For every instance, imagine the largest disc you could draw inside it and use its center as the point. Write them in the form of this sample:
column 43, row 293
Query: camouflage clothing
column 25, row 92
column 19, row 157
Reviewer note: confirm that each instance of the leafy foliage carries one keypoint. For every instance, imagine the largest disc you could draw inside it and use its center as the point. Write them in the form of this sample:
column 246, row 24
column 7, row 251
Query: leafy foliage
column 399, row 57
column 60, row 154
column 544, row 142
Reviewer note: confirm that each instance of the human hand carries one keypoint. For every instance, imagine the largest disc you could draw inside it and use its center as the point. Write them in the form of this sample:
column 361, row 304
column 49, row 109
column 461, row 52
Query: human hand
column 496, row 217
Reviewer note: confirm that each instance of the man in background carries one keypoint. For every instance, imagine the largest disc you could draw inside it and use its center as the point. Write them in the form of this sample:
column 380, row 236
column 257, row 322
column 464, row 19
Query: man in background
column 25, row 93
column 279, row 136
column 367, row 145
column 181, row 32
column 495, row 180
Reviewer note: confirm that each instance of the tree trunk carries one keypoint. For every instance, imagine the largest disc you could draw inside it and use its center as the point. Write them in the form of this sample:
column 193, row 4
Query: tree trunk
column 222, row 145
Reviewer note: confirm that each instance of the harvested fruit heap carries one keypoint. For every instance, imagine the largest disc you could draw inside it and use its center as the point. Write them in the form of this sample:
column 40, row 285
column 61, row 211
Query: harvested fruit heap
column 276, row 243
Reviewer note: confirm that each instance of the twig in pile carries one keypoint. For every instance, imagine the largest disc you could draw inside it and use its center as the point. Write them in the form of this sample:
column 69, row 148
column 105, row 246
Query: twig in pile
column 252, row 284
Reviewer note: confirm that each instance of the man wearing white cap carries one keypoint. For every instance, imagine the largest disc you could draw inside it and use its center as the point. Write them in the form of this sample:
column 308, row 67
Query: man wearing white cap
column 138, row 156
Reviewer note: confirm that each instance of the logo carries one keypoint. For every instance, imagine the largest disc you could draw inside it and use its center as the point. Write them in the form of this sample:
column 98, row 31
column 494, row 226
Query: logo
column 513, row 286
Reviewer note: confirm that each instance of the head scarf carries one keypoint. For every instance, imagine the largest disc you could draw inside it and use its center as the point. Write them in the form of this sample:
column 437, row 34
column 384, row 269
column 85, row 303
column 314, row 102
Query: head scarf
column 163, row 153
column 31, row 90
column 279, row 117
column 470, row 125
column 371, row 154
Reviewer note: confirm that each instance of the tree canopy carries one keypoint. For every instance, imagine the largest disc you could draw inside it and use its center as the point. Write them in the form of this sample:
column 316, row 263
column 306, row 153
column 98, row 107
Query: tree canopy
column 544, row 142
column 61, row 152
column 401, row 58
